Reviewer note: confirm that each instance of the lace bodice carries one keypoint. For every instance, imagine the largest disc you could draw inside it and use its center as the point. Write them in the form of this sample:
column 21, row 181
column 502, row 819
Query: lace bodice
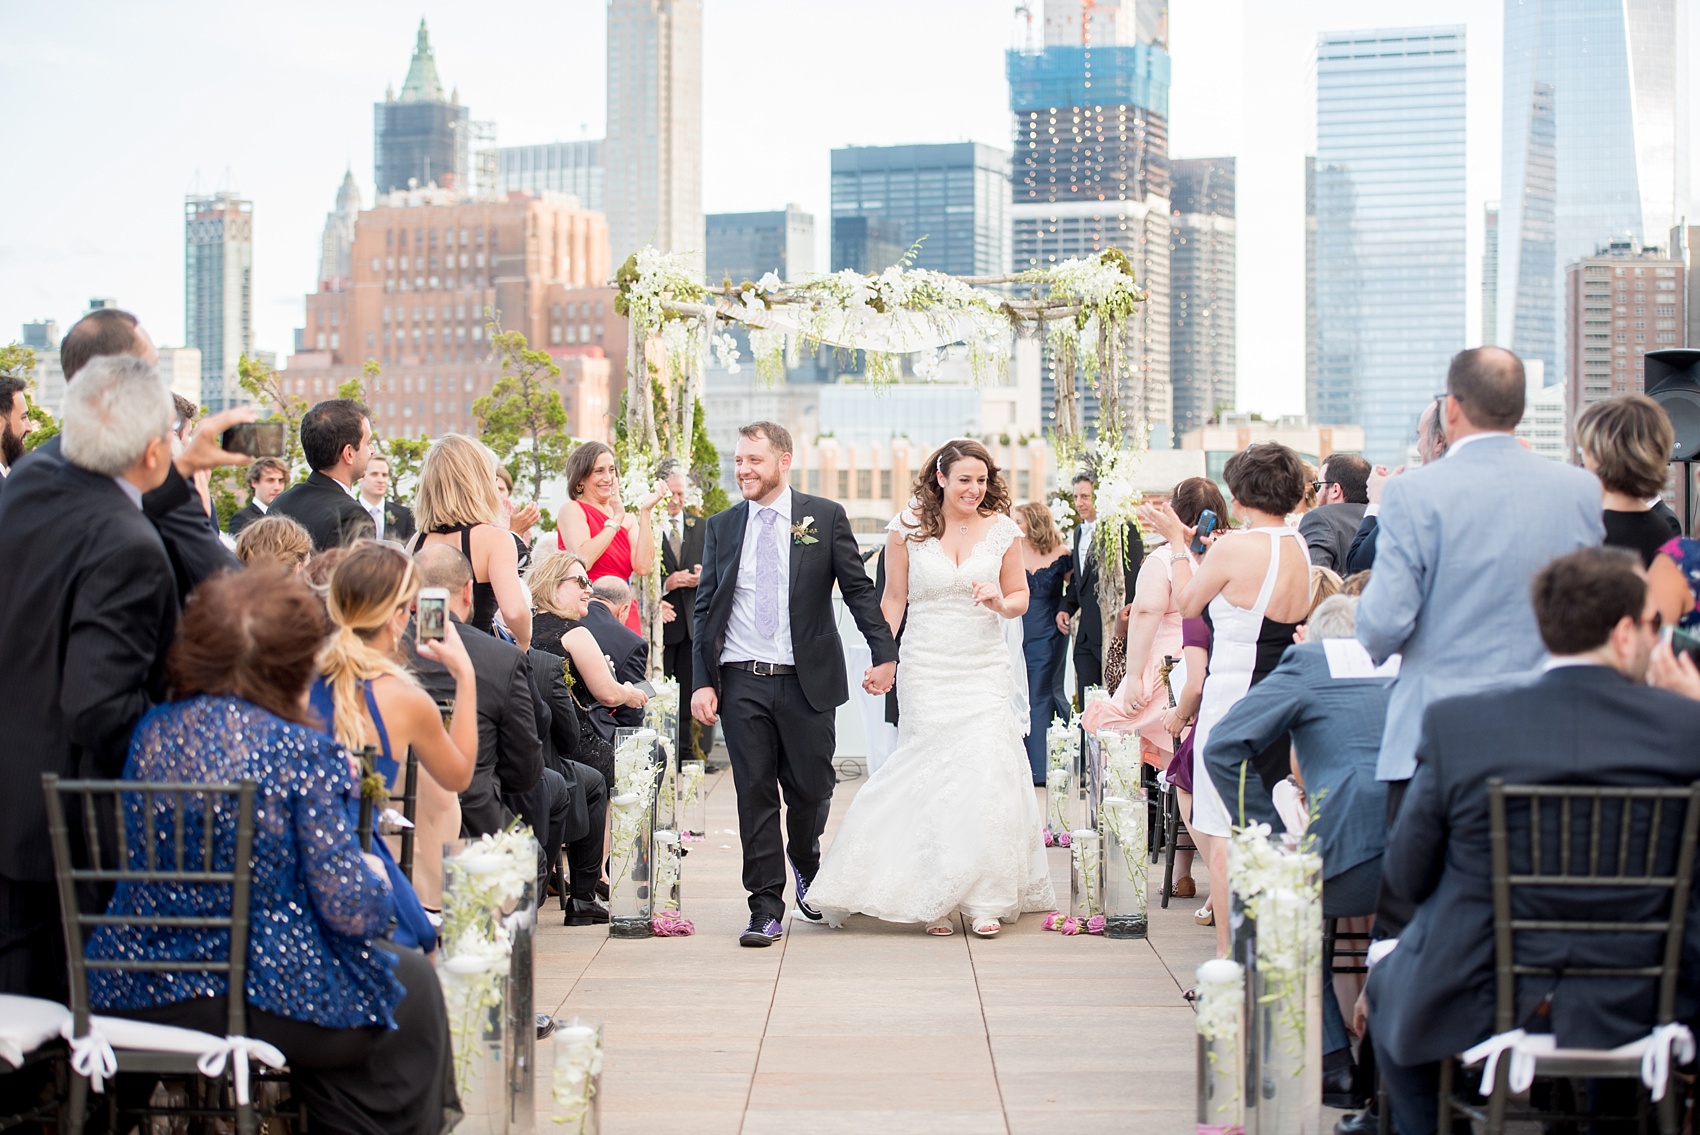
column 932, row 575
column 315, row 904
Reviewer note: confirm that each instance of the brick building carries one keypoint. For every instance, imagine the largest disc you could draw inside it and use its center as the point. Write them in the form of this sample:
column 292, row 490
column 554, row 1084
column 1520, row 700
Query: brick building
column 1620, row 303
column 425, row 269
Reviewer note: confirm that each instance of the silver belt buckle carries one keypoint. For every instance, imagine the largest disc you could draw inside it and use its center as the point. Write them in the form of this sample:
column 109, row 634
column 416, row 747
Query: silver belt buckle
column 764, row 669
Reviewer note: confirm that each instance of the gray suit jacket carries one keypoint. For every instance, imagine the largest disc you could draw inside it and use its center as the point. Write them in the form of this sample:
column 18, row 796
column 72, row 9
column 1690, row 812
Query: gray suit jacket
column 1336, row 729
column 1328, row 533
column 1457, row 545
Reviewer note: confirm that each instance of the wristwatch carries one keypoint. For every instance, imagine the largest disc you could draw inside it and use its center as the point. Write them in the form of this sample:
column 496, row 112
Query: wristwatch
column 610, row 523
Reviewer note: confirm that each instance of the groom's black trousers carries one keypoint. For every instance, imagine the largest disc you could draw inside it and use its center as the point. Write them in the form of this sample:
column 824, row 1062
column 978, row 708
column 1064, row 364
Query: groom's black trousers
column 776, row 740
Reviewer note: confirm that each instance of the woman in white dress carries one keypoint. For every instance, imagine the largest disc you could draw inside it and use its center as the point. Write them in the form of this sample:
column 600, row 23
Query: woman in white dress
column 950, row 822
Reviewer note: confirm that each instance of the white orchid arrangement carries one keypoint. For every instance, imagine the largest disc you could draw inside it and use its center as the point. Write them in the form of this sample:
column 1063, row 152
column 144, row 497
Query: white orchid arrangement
column 647, row 280
column 483, row 884
column 1220, row 1005
column 662, row 711
column 664, row 873
column 1123, row 819
column 1062, row 511
column 638, row 478
column 578, row 1067
column 627, row 828
column 1087, row 855
column 687, row 796
column 1121, row 764
column 1280, row 884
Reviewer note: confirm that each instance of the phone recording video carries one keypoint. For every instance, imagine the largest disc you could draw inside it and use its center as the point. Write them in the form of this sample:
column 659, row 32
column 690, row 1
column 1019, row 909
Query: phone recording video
column 256, row 439
column 1206, row 525
column 431, row 611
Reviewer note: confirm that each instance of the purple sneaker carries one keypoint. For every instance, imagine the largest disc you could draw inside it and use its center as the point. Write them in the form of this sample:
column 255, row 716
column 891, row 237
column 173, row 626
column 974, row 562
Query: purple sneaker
column 808, row 912
column 761, row 932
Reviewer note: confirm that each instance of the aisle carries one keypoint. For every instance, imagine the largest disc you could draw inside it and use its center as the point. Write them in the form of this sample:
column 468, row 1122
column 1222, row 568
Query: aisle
column 878, row 1028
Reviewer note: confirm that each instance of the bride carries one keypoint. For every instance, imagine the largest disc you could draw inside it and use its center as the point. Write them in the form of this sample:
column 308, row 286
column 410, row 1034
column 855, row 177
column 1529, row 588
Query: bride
column 949, row 823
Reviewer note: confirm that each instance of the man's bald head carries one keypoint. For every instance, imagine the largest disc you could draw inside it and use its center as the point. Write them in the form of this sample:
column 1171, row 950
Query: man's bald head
column 1488, row 384
column 612, row 590
column 442, row 566
column 104, row 332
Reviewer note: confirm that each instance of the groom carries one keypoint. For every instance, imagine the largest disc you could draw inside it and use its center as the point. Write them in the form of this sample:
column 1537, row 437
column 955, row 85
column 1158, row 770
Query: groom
column 766, row 655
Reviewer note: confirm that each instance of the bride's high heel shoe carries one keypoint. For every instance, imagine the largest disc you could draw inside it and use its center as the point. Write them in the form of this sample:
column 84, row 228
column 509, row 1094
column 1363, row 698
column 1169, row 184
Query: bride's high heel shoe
column 941, row 929
column 987, row 927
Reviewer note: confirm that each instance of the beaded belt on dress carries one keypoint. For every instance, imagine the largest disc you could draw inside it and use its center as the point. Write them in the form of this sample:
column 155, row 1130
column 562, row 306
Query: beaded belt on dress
column 762, row 669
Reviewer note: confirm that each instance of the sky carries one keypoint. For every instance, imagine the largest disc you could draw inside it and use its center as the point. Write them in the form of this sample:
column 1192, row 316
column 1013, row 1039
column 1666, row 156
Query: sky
column 114, row 111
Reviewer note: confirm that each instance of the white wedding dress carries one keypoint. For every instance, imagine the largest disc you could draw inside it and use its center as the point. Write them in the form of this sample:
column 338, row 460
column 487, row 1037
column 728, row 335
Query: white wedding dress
column 949, row 823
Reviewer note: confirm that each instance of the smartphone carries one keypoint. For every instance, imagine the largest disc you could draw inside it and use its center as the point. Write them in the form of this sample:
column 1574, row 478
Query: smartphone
column 1206, row 525
column 1682, row 642
column 256, row 439
column 432, row 611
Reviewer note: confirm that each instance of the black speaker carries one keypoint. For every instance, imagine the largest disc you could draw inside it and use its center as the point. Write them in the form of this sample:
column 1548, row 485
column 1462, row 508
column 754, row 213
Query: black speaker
column 1673, row 381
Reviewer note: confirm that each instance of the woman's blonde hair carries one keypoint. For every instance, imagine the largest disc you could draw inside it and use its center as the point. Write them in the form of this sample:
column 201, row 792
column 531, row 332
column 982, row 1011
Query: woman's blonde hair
column 457, row 484
column 1324, row 583
column 370, row 581
column 1630, row 438
column 547, row 575
column 1041, row 527
column 278, row 541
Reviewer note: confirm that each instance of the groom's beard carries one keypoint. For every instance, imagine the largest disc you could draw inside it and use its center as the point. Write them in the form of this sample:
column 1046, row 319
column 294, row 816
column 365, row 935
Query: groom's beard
column 11, row 445
column 762, row 487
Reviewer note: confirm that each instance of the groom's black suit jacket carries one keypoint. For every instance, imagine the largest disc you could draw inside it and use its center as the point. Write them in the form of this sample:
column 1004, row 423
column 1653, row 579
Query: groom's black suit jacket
column 815, row 644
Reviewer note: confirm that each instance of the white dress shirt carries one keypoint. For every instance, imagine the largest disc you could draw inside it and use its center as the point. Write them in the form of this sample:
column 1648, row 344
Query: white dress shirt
column 743, row 642
column 130, row 491
column 376, row 511
column 1468, row 439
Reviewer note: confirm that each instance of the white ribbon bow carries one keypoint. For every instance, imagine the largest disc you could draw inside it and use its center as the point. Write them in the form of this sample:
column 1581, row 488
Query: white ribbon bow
column 92, row 1057
column 1523, row 1048
column 1656, row 1060
column 242, row 1050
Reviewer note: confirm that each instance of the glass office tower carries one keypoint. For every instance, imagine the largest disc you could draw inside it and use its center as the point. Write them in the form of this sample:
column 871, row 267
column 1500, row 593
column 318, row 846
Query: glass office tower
column 1595, row 149
column 954, row 195
column 1390, row 228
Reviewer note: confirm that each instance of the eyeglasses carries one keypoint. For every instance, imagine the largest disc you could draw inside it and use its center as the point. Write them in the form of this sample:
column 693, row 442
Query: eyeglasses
column 1654, row 622
column 582, row 580
column 1318, row 486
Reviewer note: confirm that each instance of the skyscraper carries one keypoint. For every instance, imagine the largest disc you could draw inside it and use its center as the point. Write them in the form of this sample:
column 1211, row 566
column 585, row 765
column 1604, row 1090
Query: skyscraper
column 955, row 195
column 1490, row 275
column 218, row 290
column 420, row 136
column 1390, row 227
column 1621, row 302
column 1595, row 149
column 337, row 243
column 746, row 246
column 559, row 167
column 1091, row 171
column 1201, row 290
column 654, row 146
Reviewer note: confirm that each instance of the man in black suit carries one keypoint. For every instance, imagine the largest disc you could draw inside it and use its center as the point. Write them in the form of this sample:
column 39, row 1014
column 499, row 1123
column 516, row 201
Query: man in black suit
column 1431, row 446
column 1342, row 496
column 87, row 613
column 174, row 508
column 627, row 651
column 681, row 535
column 391, row 519
column 1080, row 595
column 768, row 657
column 336, row 439
column 1588, row 719
column 267, row 477
column 584, row 816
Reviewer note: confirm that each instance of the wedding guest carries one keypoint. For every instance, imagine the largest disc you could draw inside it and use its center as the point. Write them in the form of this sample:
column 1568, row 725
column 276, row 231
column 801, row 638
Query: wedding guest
column 456, row 506
column 1253, row 587
column 391, row 520
column 521, row 520
column 173, row 509
column 360, row 1019
column 1154, row 634
column 1179, row 721
column 595, row 524
column 1335, row 719
column 1588, row 719
column 267, row 477
column 366, row 696
column 605, row 618
column 336, row 439
column 1431, row 447
column 15, row 422
column 1453, row 563
column 1626, row 442
column 1044, row 643
column 277, row 541
column 1080, row 599
column 682, row 534
column 1342, row 495
column 86, row 614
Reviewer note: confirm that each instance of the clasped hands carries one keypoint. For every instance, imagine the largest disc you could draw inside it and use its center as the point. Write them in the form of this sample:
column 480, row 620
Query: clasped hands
column 879, row 679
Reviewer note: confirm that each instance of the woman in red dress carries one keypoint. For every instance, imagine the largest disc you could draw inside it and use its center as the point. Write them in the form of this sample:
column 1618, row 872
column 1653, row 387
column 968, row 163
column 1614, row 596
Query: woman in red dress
column 596, row 525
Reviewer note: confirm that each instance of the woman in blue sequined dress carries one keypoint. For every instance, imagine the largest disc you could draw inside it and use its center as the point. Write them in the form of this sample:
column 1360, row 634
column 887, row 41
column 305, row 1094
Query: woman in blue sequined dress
column 1048, row 563
column 360, row 1020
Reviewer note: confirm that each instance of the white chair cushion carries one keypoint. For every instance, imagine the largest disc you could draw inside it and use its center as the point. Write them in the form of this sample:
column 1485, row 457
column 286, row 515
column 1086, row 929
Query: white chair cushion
column 93, row 1056
column 27, row 1023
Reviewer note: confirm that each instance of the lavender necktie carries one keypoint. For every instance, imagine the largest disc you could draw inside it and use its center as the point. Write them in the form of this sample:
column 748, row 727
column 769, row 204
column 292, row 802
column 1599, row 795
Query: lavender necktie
column 767, row 576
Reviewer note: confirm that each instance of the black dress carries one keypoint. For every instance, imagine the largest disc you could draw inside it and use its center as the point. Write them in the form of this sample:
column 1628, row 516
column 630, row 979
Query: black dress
column 483, row 593
column 594, row 749
column 1643, row 533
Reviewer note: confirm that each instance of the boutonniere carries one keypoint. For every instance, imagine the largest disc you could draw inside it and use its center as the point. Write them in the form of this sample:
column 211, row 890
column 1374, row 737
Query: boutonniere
column 803, row 532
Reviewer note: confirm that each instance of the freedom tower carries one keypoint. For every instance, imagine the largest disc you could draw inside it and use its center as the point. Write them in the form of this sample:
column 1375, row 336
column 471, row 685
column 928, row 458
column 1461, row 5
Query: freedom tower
column 1596, row 149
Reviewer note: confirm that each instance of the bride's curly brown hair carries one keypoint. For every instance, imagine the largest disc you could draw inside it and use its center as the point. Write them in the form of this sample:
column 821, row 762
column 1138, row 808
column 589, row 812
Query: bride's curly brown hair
column 929, row 494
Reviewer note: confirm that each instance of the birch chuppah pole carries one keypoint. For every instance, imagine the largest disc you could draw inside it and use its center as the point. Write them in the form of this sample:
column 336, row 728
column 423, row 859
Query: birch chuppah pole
column 1082, row 307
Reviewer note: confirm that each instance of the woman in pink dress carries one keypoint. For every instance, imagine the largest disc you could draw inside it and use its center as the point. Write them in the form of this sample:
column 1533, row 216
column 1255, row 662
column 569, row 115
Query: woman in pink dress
column 1154, row 633
column 596, row 525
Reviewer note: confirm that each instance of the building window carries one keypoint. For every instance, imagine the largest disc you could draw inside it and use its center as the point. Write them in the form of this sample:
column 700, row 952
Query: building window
column 336, row 340
column 885, row 484
column 371, row 339
column 864, row 484
column 843, row 484
column 319, row 342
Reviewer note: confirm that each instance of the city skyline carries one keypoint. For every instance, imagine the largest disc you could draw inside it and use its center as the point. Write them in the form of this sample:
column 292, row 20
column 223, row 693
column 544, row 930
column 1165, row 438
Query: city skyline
column 297, row 114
